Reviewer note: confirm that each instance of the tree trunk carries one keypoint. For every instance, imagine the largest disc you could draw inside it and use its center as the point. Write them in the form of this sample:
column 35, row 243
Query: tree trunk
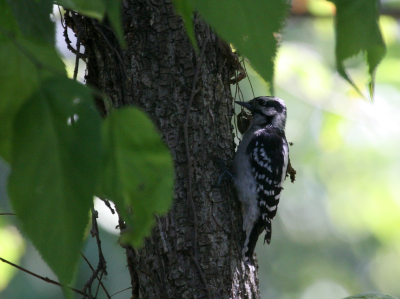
column 195, row 250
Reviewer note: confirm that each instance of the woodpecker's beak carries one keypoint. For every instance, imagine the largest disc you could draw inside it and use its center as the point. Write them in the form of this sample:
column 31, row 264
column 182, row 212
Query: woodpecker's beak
column 246, row 105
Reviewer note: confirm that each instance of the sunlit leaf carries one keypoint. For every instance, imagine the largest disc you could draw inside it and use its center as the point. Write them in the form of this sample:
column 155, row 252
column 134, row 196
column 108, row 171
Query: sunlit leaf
column 370, row 296
column 90, row 8
column 357, row 30
column 138, row 171
column 54, row 166
column 252, row 27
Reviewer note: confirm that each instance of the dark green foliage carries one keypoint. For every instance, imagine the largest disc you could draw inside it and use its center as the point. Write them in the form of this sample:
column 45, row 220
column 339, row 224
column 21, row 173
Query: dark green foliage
column 55, row 161
column 357, row 30
column 137, row 172
column 252, row 28
column 33, row 19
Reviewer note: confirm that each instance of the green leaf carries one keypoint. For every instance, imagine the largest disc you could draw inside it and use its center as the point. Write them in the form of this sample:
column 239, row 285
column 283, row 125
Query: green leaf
column 54, row 169
column 185, row 9
column 357, row 30
column 33, row 18
column 113, row 10
column 18, row 81
column 251, row 26
column 370, row 296
column 8, row 24
column 36, row 42
column 90, row 8
column 138, row 171
column 44, row 56
column 23, row 63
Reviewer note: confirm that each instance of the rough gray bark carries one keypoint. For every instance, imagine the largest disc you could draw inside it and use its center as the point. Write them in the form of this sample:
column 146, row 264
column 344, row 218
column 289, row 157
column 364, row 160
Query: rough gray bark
column 195, row 250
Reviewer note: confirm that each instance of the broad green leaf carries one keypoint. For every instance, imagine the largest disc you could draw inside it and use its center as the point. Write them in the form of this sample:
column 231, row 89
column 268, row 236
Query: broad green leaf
column 357, row 30
column 370, row 296
column 18, row 81
column 23, row 63
column 36, row 42
column 44, row 56
column 138, row 171
column 90, row 8
column 251, row 26
column 185, row 9
column 8, row 24
column 18, row 78
column 55, row 159
column 33, row 18
column 113, row 10
column 23, row 60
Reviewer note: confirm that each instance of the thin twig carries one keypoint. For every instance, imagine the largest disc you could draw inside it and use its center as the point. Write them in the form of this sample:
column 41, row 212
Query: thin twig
column 130, row 257
column 248, row 78
column 78, row 44
column 7, row 214
column 121, row 291
column 78, row 47
column 91, row 268
column 46, row 279
column 98, row 285
column 61, row 17
column 117, row 52
column 68, row 23
column 107, row 203
column 188, row 158
column 101, row 256
column 189, row 167
column 95, row 24
column 101, row 267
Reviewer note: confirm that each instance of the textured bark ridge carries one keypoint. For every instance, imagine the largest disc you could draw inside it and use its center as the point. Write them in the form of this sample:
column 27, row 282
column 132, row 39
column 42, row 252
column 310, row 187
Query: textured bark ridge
column 195, row 250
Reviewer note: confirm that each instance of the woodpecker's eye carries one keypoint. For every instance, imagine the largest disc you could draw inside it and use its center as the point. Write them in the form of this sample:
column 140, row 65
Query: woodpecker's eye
column 262, row 102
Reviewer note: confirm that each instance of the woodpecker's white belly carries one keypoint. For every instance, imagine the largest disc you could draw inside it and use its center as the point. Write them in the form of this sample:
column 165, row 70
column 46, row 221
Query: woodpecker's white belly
column 246, row 184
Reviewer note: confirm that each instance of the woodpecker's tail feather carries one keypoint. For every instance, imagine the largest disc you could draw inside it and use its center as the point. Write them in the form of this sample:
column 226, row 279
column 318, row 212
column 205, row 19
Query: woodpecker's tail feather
column 250, row 245
column 268, row 232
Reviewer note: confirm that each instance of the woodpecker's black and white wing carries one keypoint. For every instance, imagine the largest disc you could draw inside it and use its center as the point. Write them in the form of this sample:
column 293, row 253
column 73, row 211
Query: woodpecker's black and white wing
column 269, row 155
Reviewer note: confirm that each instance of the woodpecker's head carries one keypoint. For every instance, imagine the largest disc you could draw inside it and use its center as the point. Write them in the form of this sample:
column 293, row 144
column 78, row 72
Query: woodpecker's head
column 267, row 111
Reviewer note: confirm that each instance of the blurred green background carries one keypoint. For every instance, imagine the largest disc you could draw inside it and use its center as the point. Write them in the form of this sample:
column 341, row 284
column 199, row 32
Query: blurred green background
column 337, row 231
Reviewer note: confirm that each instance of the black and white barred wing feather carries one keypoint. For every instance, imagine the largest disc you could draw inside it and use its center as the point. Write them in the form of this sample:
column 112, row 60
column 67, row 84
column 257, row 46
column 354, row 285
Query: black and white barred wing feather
column 268, row 153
